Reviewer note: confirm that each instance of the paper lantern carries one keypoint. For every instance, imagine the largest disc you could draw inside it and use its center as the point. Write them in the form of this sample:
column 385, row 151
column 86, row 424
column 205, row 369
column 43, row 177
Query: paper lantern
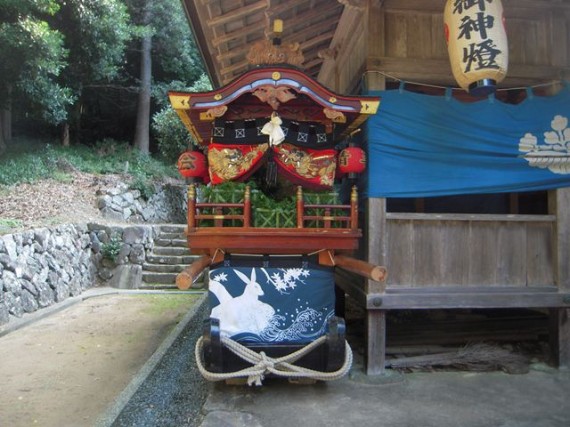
column 476, row 43
column 192, row 164
column 352, row 160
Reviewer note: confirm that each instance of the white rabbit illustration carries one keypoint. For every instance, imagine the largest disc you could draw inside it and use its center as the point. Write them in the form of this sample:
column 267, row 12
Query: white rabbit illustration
column 244, row 313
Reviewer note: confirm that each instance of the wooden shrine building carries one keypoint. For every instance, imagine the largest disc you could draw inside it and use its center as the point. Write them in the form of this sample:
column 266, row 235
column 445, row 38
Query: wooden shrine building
column 441, row 253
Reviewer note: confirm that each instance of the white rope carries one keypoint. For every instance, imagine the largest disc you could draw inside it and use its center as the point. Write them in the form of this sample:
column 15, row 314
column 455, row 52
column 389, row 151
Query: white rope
column 263, row 364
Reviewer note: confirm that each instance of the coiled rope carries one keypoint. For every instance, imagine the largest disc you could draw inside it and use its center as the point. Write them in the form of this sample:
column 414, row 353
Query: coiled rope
column 263, row 364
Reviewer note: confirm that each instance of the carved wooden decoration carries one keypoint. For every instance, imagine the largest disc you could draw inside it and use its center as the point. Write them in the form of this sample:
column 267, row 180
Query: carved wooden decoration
column 335, row 116
column 212, row 113
column 264, row 52
column 274, row 96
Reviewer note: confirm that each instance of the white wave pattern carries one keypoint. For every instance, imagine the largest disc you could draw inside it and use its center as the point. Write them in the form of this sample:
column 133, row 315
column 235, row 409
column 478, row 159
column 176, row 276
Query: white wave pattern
column 300, row 330
column 554, row 154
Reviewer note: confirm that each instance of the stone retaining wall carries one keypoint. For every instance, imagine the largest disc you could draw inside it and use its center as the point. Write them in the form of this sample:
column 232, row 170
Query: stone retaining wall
column 47, row 265
column 167, row 204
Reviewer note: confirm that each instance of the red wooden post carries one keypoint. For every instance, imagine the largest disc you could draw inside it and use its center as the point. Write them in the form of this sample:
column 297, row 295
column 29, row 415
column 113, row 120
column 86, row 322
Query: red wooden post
column 354, row 209
column 300, row 207
column 247, row 208
column 218, row 216
column 327, row 218
column 191, row 206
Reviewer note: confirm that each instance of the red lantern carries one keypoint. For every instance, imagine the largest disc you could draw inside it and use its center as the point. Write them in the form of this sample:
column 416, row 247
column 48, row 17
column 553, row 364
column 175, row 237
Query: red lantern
column 352, row 160
column 192, row 164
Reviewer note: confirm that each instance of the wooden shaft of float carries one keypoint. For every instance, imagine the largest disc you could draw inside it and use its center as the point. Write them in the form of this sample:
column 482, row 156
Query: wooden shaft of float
column 361, row 268
column 185, row 278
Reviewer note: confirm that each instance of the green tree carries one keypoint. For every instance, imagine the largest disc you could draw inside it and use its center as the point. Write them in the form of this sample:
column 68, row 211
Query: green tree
column 167, row 52
column 171, row 134
column 96, row 35
column 32, row 56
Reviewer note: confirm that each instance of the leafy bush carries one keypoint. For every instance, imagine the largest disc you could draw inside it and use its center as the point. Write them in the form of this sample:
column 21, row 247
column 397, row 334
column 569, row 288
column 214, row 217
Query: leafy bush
column 171, row 135
column 111, row 249
column 29, row 161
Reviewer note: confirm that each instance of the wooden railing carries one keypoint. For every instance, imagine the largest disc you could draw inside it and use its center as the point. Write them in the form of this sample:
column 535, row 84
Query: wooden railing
column 221, row 211
column 350, row 218
column 309, row 215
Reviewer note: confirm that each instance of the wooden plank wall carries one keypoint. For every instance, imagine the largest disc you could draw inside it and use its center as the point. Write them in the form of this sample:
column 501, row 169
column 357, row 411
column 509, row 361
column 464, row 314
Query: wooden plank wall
column 405, row 39
column 469, row 250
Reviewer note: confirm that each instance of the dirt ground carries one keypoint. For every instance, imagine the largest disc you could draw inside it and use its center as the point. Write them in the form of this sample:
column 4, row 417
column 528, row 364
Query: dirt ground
column 49, row 202
column 68, row 368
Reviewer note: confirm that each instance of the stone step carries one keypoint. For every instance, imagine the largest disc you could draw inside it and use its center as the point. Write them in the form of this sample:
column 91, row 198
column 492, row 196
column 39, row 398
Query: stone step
column 162, row 242
column 170, row 236
column 176, row 251
column 163, row 268
column 172, row 228
column 171, row 259
column 162, row 278
column 158, row 287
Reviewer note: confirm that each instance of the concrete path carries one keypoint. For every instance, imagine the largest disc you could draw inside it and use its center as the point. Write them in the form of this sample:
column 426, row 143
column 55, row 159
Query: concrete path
column 448, row 399
column 119, row 360
column 68, row 368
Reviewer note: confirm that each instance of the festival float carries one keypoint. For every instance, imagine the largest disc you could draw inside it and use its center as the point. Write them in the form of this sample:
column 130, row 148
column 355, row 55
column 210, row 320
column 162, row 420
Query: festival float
column 268, row 219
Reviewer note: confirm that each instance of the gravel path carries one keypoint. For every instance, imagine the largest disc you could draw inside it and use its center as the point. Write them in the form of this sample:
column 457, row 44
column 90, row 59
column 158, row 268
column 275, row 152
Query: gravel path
column 174, row 392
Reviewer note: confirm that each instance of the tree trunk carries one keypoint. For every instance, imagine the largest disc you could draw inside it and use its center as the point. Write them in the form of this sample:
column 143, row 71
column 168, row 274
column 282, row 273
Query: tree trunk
column 6, row 122
column 142, row 129
column 2, row 138
column 65, row 134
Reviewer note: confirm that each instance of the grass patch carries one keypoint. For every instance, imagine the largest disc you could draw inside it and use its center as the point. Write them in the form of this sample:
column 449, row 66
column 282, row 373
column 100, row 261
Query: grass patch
column 161, row 304
column 9, row 224
column 28, row 160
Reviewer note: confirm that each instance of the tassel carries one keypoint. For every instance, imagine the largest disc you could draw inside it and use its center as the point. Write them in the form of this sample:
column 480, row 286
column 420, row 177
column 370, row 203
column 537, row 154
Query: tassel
column 271, row 171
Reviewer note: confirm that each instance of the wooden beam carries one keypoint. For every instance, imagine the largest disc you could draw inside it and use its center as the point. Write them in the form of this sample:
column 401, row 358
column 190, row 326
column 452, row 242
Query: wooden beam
column 362, row 268
column 237, row 13
column 438, row 5
column 299, row 36
column 403, row 68
column 315, row 41
column 185, row 278
column 238, row 66
column 320, row 10
column 430, row 298
column 242, row 32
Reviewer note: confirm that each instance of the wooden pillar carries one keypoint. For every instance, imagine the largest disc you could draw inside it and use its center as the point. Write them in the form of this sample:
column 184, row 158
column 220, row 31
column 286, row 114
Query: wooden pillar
column 376, row 212
column 559, row 205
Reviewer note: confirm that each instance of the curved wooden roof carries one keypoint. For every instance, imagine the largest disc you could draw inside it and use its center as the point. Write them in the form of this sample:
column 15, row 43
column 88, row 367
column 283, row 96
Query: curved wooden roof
column 261, row 91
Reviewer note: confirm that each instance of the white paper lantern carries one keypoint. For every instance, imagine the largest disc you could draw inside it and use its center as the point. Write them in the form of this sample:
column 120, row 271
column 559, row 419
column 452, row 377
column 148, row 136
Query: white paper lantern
column 477, row 44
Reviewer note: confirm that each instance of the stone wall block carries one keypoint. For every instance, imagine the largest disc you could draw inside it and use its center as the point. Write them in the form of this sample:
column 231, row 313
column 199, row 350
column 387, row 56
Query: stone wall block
column 14, row 304
column 28, row 286
column 75, row 287
column 122, row 257
column 137, row 255
column 41, row 236
column 18, row 240
column 10, row 246
column 11, row 283
column 127, row 277
column 4, row 313
column 61, row 291
column 136, row 234
column 46, row 295
column 7, row 262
